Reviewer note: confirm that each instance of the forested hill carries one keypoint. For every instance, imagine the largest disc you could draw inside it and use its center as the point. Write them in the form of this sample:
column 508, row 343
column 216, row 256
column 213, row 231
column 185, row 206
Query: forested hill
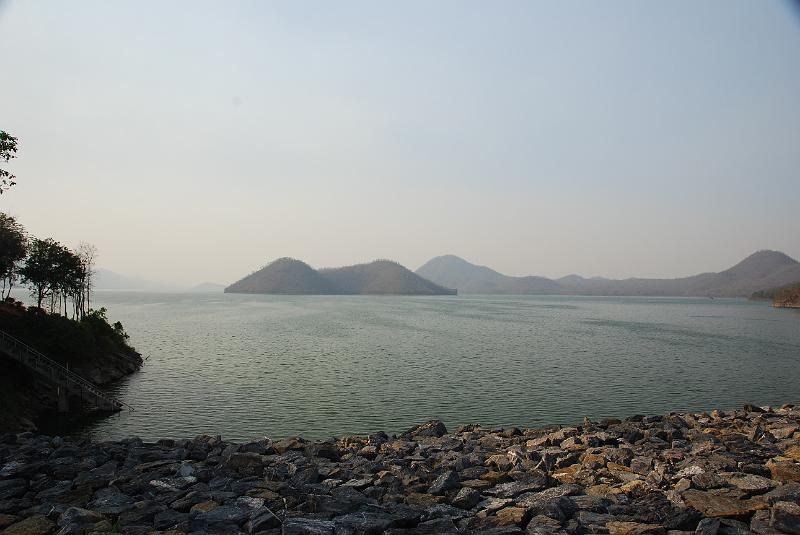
column 381, row 277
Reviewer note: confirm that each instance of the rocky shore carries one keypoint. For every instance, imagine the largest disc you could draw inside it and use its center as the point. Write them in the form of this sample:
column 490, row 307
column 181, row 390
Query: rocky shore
column 724, row 472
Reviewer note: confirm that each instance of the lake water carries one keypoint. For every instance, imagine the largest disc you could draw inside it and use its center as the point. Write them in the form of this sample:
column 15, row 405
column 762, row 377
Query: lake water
column 248, row 366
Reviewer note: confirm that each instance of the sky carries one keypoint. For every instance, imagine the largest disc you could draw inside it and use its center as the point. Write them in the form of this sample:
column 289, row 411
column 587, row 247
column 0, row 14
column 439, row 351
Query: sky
column 196, row 141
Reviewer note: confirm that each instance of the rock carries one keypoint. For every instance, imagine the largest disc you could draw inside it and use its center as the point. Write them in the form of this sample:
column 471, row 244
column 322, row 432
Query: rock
column 110, row 501
column 204, row 507
column 749, row 483
column 248, row 464
column 307, row 526
column 262, row 520
column 140, row 513
column 707, row 526
column 786, row 517
column 707, row 481
column 784, row 470
column 358, row 484
column 717, row 505
column 515, row 488
column 793, row 452
column 289, row 444
column 364, row 522
column 729, row 526
column 759, row 524
column 13, row 488
column 467, row 498
column 556, row 507
column 446, row 481
column 76, row 515
column 34, row 525
column 432, row 428
column 169, row 519
column 790, row 492
column 634, row 528
column 224, row 514
column 7, row 520
column 512, row 516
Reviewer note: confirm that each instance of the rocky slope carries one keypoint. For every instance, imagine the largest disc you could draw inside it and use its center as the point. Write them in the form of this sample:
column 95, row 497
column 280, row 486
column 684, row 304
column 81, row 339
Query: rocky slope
column 381, row 277
column 763, row 269
column 724, row 472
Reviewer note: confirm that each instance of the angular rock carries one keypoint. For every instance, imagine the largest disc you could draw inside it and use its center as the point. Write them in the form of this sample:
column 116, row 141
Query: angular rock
column 446, row 481
column 707, row 526
column 784, row 471
column 749, row 483
column 140, row 513
column 467, row 498
column 512, row 516
column 716, row 505
column 786, row 517
column 308, row 526
column 432, row 428
column 33, row 525
column 248, row 464
column 634, row 528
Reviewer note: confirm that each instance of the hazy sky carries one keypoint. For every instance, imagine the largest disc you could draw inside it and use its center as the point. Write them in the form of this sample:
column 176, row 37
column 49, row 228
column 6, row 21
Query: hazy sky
column 194, row 141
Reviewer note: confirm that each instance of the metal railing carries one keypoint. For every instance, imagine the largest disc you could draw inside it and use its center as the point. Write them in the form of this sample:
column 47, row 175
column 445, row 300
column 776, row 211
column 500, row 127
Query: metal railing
column 52, row 370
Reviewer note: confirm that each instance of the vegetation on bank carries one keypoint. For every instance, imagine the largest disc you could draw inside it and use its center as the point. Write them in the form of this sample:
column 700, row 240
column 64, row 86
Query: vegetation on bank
column 784, row 296
column 79, row 343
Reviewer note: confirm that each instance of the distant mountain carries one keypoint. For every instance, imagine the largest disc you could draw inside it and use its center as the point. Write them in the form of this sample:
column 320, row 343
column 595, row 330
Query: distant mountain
column 290, row 276
column 382, row 277
column 105, row 279
column 467, row 278
column 284, row 276
column 763, row 269
column 207, row 287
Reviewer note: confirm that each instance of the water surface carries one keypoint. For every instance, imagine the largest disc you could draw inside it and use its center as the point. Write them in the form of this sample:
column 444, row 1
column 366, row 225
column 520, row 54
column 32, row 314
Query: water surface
column 247, row 366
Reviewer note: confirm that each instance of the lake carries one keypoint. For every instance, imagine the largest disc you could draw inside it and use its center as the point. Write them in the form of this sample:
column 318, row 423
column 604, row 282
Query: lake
column 247, row 366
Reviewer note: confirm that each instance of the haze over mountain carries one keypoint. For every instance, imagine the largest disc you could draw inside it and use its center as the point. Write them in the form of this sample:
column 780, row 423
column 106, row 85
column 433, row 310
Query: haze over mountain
column 105, row 279
column 381, row 277
column 763, row 269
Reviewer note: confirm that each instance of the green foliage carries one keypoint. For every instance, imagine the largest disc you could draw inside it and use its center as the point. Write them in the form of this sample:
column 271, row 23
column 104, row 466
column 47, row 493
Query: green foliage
column 13, row 248
column 79, row 343
column 8, row 150
column 98, row 321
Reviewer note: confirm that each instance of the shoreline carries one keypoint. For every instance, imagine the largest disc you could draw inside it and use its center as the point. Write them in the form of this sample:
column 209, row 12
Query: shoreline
column 727, row 472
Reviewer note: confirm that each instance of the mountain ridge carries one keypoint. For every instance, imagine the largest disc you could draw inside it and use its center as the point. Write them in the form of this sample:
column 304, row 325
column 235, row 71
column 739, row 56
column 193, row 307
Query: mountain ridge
column 762, row 269
column 294, row 277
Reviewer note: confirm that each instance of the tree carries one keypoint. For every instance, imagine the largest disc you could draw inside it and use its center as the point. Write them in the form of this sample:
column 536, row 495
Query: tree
column 8, row 150
column 88, row 255
column 13, row 248
column 41, row 270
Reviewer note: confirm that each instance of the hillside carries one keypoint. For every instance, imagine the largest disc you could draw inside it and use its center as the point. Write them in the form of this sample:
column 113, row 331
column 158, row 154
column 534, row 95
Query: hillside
column 284, row 276
column 763, row 269
column 381, row 277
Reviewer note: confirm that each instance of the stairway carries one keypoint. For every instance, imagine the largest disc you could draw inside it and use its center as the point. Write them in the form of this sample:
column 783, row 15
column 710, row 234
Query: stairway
column 68, row 382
